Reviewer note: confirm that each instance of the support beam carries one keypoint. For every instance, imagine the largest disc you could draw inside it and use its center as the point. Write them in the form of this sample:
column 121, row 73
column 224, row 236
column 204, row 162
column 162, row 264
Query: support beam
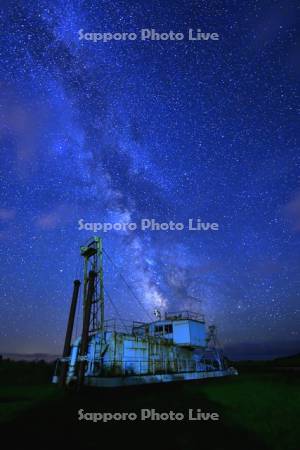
column 69, row 332
column 86, row 326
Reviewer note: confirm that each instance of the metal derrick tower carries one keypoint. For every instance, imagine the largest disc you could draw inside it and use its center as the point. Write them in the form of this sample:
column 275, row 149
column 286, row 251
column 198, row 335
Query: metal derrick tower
column 93, row 262
column 93, row 305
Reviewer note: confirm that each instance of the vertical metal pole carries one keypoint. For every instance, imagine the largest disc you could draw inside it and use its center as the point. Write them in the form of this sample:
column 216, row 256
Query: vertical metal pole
column 101, row 284
column 69, row 332
column 85, row 280
column 86, row 326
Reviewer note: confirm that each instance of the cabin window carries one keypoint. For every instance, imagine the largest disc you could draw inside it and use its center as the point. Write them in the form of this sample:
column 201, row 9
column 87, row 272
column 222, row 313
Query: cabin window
column 169, row 328
column 159, row 329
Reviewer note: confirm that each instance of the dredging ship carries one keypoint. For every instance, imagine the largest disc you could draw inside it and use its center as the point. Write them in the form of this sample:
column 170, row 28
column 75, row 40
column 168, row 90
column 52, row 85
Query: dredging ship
column 178, row 346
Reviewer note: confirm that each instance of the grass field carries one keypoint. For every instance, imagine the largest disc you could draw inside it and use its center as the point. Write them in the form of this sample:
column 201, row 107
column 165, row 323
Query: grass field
column 16, row 400
column 24, row 386
column 258, row 410
column 267, row 404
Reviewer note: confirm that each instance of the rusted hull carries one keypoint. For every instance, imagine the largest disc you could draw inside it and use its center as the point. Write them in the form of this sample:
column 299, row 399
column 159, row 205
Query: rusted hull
column 113, row 382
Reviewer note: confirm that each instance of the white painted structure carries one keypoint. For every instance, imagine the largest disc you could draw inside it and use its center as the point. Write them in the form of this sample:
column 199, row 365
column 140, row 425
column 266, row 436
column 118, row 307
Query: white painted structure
column 175, row 348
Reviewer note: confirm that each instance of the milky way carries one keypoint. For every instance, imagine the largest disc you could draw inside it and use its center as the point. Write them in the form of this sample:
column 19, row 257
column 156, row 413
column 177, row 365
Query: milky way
column 170, row 130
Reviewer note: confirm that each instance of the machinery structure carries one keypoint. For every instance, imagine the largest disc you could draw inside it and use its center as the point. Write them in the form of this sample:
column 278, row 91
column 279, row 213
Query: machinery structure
column 176, row 347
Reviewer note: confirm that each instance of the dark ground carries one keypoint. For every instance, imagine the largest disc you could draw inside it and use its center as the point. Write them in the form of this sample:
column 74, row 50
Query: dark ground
column 259, row 409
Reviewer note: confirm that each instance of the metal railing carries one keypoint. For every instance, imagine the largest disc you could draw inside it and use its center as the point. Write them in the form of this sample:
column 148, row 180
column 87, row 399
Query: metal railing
column 184, row 315
column 141, row 328
column 124, row 326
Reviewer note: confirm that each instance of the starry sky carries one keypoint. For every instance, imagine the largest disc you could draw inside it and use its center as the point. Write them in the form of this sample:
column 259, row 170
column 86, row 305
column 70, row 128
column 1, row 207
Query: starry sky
column 170, row 130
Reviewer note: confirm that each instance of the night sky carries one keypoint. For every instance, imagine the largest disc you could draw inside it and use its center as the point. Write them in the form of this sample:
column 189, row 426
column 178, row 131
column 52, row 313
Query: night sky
column 170, row 130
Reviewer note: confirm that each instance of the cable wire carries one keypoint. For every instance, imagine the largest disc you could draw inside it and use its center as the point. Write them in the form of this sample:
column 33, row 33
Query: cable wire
column 128, row 287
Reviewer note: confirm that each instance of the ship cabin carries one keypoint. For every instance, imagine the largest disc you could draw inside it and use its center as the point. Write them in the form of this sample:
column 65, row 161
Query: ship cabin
column 184, row 328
